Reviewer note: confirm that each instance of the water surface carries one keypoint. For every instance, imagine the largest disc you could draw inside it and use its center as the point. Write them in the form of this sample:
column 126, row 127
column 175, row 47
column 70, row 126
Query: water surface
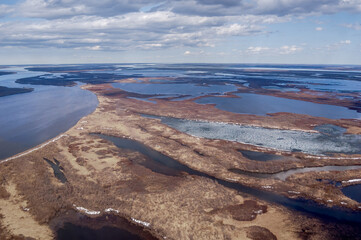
column 76, row 232
column 353, row 192
column 175, row 89
column 285, row 174
column 257, row 104
column 30, row 119
column 157, row 162
column 283, row 140
column 260, row 156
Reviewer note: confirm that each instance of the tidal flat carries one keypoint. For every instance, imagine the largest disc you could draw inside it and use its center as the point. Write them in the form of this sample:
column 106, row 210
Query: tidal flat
column 136, row 168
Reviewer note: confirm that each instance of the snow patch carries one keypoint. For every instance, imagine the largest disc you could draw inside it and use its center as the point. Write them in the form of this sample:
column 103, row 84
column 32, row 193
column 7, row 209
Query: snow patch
column 86, row 211
column 141, row 222
column 258, row 212
column 294, row 192
column 231, row 179
column 108, row 210
column 352, row 180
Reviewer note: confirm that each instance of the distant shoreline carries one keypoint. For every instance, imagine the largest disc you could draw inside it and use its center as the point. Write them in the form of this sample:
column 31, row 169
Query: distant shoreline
column 5, row 91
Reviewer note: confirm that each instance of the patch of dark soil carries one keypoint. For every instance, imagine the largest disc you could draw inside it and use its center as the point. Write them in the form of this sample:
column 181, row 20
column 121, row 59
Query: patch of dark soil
column 260, row 233
column 247, row 211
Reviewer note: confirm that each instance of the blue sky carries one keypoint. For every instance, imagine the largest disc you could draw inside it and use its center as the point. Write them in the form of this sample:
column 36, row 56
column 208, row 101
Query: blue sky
column 228, row 31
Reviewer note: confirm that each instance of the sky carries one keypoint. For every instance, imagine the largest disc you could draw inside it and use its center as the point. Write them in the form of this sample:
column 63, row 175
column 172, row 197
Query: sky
column 180, row 31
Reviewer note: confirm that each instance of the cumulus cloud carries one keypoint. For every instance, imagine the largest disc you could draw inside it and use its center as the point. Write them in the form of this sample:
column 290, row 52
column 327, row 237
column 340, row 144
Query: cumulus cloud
column 4, row 10
column 136, row 30
column 261, row 7
column 152, row 24
column 51, row 9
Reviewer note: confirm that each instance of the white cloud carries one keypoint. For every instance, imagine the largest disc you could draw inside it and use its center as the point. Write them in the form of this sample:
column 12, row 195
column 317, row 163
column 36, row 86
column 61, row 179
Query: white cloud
column 52, row 9
column 136, row 30
column 289, row 49
column 257, row 50
column 283, row 50
column 319, row 29
column 345, row 42
column 4, row 10
column 122, row 25
column 187, row 53
column 337, row 45
column 355, row 26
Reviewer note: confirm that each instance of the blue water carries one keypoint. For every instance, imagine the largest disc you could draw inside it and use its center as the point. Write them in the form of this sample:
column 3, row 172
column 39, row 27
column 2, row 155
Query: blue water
column 353, row 192
column 249, row 103
column 30, row 119
column 175, row 89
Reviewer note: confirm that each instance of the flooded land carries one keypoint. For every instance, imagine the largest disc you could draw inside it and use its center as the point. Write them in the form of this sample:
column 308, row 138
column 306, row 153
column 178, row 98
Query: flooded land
column 180, row 151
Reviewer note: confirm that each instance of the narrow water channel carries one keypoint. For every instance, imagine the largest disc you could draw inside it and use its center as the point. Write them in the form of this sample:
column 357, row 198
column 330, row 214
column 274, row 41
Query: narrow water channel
column 305, row 206
column 285, row 174
column 260, row 156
